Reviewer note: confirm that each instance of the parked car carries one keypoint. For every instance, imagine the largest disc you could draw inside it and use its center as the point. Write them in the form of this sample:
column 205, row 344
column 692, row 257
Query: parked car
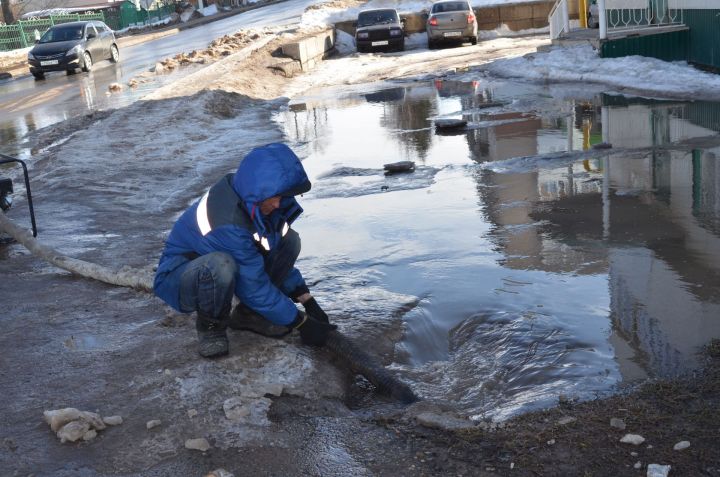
column 379, row 29
column 451, row 21
column 69, row 46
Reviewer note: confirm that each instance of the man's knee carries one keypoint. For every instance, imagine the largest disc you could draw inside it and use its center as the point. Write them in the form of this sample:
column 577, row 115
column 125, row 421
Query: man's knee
column 222, row 267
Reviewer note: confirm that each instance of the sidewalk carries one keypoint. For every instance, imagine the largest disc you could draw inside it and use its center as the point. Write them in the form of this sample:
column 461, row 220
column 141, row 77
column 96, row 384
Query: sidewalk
column 16, row 66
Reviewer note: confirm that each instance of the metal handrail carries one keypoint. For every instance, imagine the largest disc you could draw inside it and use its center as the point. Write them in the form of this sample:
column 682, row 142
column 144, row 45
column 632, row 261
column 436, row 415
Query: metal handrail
column 6, row 160
column 641, row 14
column 559, row 19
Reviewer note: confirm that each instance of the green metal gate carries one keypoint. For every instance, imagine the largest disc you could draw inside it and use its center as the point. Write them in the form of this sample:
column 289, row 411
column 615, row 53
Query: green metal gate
column 132, row 15
column 24, row 33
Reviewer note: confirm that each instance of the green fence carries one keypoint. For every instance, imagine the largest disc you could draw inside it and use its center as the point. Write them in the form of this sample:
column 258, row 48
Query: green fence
column 130, row 15
column 24, row 33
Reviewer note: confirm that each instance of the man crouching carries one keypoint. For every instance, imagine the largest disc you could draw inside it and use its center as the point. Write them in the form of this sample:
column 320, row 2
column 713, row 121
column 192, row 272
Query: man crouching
column 237, row 240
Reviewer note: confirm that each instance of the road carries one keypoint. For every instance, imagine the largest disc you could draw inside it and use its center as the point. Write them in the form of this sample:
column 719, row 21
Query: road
column 28, row 105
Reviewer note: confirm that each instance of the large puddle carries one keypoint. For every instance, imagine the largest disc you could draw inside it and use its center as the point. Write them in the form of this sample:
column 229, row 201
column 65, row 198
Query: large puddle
column 571, row 273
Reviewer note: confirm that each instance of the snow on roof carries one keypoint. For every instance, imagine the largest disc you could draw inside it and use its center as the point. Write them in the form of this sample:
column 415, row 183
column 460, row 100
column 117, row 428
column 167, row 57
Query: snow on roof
column 62, row 11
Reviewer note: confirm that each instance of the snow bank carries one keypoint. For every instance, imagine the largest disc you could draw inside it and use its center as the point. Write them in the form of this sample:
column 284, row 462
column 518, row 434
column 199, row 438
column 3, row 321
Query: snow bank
column 164, row 21
column 14, row 53
column 344, row 43
column 646, row 75
column 210, row 10
column 505, row 32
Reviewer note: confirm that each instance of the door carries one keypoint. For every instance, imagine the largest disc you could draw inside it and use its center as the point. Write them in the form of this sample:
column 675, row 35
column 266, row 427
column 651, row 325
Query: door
column 105, row 37
column 94, row 44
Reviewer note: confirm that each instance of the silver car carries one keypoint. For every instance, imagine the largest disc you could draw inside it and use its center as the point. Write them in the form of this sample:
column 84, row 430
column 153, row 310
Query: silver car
column 451, row 21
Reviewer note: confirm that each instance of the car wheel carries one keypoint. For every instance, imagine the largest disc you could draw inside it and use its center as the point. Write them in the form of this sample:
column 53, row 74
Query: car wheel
column 431, row 45
column 401, row 47
column 70, row 72
column 87, row 62
column 114, row 54
column 39, row 75
column 473, row 40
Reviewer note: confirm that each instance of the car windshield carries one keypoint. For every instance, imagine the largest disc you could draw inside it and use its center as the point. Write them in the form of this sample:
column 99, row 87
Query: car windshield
column 450, row 7
column 62, row 33
column 377, row 17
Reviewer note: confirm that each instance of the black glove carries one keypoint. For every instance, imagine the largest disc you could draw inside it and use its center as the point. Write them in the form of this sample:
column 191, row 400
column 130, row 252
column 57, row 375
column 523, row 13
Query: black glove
column 312, row 331
column 313, row 309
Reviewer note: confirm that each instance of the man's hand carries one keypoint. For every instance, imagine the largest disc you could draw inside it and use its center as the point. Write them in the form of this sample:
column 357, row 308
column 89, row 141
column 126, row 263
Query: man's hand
column 313, row 309
column 312, row 331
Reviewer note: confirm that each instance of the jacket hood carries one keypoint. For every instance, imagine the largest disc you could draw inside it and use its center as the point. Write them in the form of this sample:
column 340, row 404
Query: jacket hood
column 268, row 171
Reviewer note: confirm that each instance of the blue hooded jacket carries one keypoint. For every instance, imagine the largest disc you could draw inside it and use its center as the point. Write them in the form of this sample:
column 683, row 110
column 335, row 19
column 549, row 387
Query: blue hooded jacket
column 228, row 219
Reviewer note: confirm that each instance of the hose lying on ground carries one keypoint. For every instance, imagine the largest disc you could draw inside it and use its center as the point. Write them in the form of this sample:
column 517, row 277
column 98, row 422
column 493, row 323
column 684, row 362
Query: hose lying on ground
column 361, row 362
column 358, row 360
column 125, row 277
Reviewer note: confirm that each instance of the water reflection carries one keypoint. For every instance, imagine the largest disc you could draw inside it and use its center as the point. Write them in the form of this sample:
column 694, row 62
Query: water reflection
column 570, row 269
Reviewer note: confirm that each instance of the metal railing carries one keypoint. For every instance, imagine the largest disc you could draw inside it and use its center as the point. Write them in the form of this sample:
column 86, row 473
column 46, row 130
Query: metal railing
column 5, row 203
column 624, row 15
column 559, row 19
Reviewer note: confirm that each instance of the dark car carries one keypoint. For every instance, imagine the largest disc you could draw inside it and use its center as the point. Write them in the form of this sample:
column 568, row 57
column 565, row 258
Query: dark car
column 69, row 46
column 379, row 29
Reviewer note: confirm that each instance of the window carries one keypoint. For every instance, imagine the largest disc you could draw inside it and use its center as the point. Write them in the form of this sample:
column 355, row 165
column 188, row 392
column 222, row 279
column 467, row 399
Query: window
column 62, row 33
column 90, row 29
column 450, row 7
column 377, row 17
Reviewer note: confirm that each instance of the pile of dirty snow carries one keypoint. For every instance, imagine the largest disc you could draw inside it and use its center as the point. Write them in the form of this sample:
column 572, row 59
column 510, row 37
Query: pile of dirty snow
column 344, row 42
column 503, row 31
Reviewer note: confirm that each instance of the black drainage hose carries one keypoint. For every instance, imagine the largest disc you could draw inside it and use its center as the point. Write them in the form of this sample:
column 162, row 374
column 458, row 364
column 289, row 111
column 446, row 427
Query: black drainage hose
column 362, row 363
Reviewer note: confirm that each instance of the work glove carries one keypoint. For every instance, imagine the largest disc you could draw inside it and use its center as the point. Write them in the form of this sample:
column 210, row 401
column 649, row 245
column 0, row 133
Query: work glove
column 312, row 331
column 313, row 309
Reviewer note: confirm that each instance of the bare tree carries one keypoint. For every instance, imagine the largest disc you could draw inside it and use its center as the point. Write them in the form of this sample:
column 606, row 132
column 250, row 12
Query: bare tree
column 7, row 13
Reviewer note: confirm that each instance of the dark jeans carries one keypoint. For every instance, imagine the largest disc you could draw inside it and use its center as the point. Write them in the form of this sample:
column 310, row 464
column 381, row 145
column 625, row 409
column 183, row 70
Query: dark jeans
column 207, row 283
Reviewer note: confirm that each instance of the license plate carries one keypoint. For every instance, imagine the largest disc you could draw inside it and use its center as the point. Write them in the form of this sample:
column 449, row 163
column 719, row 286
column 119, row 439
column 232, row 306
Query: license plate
column 48, row 62
column 452, row 33
column 379, row 43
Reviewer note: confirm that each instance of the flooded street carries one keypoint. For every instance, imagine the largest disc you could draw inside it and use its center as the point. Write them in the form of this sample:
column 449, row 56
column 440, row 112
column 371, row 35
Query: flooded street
column 543, row 266
column 522, row 264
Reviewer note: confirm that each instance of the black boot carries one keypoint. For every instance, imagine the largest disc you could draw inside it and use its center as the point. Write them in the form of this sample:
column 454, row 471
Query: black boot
column 247, row 319
column 212, row 338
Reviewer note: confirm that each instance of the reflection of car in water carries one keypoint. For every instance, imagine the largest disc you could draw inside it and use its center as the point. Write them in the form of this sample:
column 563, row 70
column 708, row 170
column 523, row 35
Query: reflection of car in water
column 386, row 95
column 379, row 29
column 73, row 45
column 447, row 89
column 451, row 21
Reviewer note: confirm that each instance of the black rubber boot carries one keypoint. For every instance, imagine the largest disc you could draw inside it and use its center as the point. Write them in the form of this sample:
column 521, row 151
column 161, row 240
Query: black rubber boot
column 212, row 338
column 246, row 319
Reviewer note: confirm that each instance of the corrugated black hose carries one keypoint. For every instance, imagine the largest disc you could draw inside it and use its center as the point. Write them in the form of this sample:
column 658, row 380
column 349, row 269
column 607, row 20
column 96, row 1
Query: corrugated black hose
column 363, row 363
